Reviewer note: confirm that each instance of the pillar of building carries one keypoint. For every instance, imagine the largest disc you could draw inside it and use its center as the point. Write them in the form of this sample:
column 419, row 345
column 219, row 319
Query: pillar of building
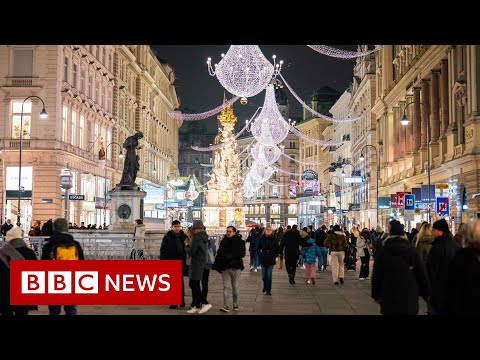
column 425, row 120
column 443, row 107
column 434, row 115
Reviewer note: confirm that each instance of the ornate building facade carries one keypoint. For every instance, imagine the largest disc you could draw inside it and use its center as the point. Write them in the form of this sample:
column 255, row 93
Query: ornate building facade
column 437, row 88
column 82, row 86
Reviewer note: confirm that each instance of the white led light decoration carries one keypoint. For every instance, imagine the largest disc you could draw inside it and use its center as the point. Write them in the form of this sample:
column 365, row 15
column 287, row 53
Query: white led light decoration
column 260, row 172
column 342, row 54
column 194, row 117
column 301, row 135
column 269, row 127
column 265, row 154
column 243, row 71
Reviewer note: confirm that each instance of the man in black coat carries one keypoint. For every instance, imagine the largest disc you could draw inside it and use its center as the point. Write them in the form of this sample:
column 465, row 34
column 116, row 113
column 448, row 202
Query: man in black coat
column 290, row 243
column 173, row 248
column 399, row 275
column 443, row 250
column 6, row 227
column 47, row 228
column 320, row 236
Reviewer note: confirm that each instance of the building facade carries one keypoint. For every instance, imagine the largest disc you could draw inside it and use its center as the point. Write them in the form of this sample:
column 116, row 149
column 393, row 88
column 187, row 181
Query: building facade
column 310, row 197
column 436, row 87
column 87, row 123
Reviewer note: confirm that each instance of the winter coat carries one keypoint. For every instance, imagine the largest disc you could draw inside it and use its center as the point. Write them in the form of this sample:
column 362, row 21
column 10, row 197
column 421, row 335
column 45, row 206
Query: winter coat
column 423, row 245
column 230, row 254
column 462, row 296
column 290, row 244
column 198, row 255
column 47, row 228
column 443, row 250
column 311, row 251
column 173, row 247
column 253, row 239
column 28, row 254
column 268, row 250
column 60, row 239
column 336, row 241
column 320, row 237
column 6, row 227
column 399, row 277
column 362, row 245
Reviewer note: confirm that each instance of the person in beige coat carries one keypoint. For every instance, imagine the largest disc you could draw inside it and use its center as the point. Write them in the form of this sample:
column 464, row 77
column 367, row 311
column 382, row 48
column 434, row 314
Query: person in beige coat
column 336, row 243
column 424, row 241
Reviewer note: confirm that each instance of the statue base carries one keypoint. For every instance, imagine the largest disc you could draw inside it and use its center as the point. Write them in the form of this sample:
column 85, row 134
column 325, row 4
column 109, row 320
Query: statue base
column 216, row 219
column 125, row 207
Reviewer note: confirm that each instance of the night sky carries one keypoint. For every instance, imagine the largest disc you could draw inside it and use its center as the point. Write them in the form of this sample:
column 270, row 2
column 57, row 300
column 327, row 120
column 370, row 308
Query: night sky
column 304, row 69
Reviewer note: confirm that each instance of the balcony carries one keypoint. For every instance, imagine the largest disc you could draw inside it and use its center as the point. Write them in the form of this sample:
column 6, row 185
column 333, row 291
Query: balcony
column 22, row 81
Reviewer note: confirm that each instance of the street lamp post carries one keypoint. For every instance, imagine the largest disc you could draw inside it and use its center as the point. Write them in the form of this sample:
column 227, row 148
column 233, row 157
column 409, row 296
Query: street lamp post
column 340, row 181
column 120, row 156
column 43, row 115
column 361, row 158
column 405, row 121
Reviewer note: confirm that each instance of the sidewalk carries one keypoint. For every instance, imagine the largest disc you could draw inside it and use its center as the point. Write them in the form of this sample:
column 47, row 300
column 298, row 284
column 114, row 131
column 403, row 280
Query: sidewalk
column 323, row 298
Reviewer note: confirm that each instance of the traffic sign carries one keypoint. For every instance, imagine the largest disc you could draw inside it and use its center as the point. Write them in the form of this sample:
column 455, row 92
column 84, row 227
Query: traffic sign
column 409, row 202
column 441, row 186
column 443, row 208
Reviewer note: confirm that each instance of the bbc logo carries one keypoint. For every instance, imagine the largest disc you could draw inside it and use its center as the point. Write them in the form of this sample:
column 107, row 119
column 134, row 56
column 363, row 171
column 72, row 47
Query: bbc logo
column 59, row 282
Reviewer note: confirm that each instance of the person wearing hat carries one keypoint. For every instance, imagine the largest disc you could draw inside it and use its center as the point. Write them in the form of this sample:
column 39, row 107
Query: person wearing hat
column 399, row 275
column 14, row 248
column 442, row 252
column 197, row 251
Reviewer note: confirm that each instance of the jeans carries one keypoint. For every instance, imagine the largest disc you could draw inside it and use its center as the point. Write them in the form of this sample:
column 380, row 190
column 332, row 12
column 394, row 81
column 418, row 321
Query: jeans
column 267, row 278
column 254, row 260
column 230, row 285
column 196, row 293
column 206, row 274
column 57, row 309
column 323, row 260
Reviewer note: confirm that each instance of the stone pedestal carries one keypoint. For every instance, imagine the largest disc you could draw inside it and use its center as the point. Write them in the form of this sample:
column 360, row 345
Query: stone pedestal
column 125, row 208
column 216, row 219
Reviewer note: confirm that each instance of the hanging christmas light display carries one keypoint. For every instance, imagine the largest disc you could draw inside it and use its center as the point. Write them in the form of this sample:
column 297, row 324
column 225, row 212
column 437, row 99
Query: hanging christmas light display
column 342, row 54
column 269, row 127
column 243, row 71
column 193, row 117
column 265, row 154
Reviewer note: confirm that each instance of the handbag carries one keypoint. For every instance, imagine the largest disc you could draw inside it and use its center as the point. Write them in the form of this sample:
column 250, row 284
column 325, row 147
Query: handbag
column 280, row 262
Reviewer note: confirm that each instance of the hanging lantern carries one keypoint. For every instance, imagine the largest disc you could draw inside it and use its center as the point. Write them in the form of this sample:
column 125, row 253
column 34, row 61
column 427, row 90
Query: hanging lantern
column 269, row 127
column 243, row 71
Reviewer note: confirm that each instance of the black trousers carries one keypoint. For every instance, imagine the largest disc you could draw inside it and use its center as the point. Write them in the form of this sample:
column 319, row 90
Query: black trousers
column 365, row 267
column 206, row 274
column 291, row 266
column 196, row 293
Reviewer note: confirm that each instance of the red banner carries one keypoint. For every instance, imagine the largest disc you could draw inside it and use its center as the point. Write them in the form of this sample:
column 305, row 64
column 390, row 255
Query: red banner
column 96, row 282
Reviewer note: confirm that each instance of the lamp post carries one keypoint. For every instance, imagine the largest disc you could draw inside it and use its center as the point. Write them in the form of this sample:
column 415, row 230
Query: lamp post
column 340, row 180
column 43, row 115
column 405, row 121
column 120, row 156
column 361, row 158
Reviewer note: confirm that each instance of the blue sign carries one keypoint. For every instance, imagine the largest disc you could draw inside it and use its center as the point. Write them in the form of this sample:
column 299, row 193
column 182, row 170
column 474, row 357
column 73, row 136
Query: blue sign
column 425, row 197
column 409, row 202
column 384, row 202
column 443, row 206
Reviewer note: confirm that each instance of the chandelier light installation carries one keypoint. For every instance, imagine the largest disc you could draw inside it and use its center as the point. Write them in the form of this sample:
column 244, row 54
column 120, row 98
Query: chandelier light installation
column 194, row 117
column 270, row 128
column 244, row 71
column 342, row 54
column 265, row 154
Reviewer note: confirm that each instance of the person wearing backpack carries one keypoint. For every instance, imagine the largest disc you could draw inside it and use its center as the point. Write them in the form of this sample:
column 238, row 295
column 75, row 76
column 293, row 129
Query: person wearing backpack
column 399, row 275
column 62, row 246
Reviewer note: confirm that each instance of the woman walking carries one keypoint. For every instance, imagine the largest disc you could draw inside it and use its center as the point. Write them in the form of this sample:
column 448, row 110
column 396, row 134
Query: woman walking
column 268, row 249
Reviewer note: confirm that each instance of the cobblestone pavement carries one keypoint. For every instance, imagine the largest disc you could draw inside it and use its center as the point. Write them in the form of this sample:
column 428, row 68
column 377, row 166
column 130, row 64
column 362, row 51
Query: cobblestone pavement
column 323, row 298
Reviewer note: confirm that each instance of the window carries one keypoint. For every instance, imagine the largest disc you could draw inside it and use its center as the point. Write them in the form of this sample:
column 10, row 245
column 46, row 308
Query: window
column 82, row 81
column 275, row 209
column 104, row 56
column 107, row 61
column 65, row 70
column 74, row 128
column 107, row 105
column 90, row 94
column 81, row 137
column 23, row 62
column 75, row 66
column 275, row 191
column 97, row 51
column 262, row 209
column 64, row 124
column 292, row 209
column 108, row 141
column 102, row 94
column 97, row 93
column 292, row 144
column 292, row 160
column 16, row 119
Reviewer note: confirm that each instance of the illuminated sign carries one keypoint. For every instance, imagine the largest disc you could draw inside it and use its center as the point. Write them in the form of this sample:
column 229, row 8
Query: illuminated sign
column 309, row 175
column 353, row 179
column 11, row 180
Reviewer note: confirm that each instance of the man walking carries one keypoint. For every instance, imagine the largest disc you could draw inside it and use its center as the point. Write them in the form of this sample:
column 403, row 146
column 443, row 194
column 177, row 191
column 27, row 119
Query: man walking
column 291, row 242
column 173, row 248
